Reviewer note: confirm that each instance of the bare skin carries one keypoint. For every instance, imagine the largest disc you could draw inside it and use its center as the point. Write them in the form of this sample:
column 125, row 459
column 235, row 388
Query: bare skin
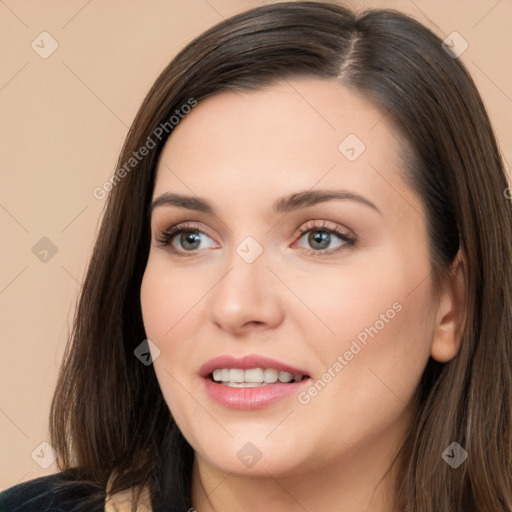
column 328, row 450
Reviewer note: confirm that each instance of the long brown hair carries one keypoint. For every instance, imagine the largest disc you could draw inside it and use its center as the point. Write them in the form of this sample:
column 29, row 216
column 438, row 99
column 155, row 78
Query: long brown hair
column 108, row 414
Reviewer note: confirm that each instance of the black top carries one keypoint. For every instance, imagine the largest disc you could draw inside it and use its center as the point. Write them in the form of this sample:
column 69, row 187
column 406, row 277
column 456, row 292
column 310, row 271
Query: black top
column 54, row 493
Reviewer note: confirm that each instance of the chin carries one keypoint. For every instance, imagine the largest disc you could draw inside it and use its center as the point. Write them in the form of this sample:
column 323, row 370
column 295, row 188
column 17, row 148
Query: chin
column 242, row 457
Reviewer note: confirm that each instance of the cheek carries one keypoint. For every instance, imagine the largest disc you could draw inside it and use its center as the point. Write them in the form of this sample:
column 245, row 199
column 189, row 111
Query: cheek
column 362, row 299
column 170, row 302
column 168, row 296
column 370, row 329
column 369, row 369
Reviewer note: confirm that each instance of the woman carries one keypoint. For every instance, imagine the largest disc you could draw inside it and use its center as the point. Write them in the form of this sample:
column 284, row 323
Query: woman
column 299, row 298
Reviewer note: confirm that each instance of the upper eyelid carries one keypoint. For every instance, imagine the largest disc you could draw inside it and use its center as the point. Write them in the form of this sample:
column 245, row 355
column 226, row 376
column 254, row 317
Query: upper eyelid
column 309, row 224
column 192, row 226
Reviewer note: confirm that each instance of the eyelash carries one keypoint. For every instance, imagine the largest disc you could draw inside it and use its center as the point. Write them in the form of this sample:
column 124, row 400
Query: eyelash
column 164, row 238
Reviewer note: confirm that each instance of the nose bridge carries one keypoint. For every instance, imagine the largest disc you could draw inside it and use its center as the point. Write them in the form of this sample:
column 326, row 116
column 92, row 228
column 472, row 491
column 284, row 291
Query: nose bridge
column 243, row 295
column 245, row 265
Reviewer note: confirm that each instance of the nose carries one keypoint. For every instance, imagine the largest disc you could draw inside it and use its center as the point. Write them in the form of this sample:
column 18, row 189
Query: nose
column 246, row 298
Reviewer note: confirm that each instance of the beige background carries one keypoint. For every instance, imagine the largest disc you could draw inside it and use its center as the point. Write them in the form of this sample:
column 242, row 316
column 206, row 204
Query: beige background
column 64, row 119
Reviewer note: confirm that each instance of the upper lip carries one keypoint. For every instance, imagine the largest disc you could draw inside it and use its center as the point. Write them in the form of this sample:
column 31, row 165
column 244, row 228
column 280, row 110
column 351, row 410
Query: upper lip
column 245, row 363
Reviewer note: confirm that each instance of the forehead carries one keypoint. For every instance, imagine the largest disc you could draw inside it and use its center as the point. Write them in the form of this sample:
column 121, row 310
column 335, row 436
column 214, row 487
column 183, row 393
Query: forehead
column 292, row 135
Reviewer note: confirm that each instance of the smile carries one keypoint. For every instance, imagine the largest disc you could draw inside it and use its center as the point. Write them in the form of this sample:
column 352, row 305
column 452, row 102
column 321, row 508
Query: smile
column 250, row 382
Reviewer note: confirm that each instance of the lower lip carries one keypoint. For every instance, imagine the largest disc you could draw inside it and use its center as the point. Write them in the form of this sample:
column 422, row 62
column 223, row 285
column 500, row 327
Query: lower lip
column 251, row 398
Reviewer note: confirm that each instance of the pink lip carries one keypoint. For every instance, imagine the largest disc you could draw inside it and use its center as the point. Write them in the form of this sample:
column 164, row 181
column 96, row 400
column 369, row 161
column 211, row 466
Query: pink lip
column 249, row 398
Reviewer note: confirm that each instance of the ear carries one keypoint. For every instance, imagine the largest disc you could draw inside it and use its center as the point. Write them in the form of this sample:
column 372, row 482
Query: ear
column 450, row 317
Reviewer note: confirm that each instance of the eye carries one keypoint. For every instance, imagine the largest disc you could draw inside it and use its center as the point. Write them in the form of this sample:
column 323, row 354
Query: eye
column 322, row 239
column 184, row 238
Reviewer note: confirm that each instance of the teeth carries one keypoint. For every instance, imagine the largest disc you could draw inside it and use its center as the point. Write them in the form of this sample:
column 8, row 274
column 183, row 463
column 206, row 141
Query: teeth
column 236, row 377
column 285, row 377
column 270, row 375
column 254, row 375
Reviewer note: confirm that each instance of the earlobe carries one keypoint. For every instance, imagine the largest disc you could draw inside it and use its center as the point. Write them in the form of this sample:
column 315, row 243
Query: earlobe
column 450, row 318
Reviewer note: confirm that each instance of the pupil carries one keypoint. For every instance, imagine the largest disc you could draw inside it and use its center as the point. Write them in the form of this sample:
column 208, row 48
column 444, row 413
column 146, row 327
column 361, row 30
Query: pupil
column 189, row 239
column 320, row 237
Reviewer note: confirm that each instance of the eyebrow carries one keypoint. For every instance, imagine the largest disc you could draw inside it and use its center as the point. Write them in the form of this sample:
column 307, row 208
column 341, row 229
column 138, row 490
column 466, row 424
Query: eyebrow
column 285, row 204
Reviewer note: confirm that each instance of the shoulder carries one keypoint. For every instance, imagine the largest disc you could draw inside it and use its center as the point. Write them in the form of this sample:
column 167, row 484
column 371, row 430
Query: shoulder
column 54, row 493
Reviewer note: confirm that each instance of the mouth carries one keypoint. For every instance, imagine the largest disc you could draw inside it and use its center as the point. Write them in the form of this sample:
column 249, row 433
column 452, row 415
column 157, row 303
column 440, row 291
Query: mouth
column 251, row 382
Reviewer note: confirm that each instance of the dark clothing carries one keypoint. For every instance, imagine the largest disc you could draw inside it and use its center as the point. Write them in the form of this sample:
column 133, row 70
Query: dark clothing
column 54, row 493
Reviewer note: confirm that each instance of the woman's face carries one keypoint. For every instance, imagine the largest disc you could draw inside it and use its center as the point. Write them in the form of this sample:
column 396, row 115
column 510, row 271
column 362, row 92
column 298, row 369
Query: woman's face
column 309, row 260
